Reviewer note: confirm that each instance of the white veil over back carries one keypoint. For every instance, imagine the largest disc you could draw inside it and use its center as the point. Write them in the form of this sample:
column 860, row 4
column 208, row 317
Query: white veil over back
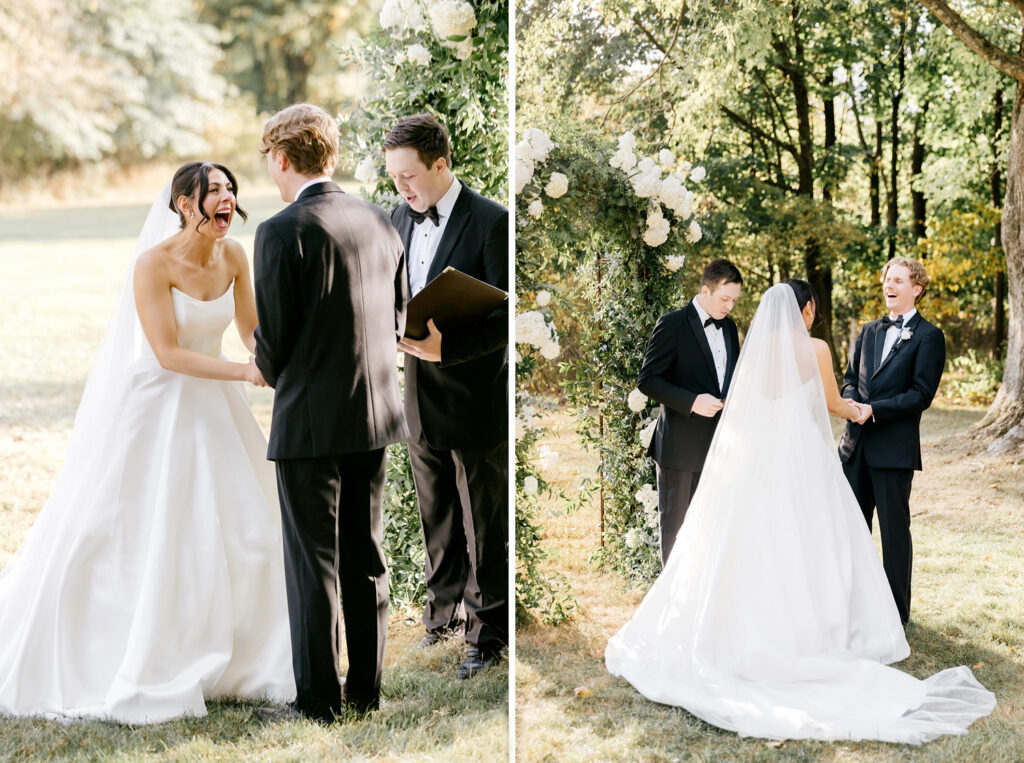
column 773, row 616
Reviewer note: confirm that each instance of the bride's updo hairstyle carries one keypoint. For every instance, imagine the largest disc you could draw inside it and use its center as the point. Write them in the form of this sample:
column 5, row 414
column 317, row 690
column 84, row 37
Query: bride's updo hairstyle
column 804, row 293
column 193, row 177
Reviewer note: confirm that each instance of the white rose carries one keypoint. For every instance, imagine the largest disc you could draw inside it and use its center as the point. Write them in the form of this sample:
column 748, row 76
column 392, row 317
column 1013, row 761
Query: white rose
column 647, row 433
column 543, row 298
column 558, row 185
column 452, row 18
column 551, row 350
column 666, row 159
column 674, row 262
column 536, row 208
column 906, row 334
column 657, row 228
column 636, row 401
column 391, row 16
column 524, row 174
column 633, row 538
column 694, row 233
column 698, row 174
column 530, row 485
column 418, row 54
column 366, row 170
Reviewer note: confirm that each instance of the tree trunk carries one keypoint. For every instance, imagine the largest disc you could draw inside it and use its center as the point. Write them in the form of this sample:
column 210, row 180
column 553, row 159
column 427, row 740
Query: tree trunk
column 918, row 202
column 894, row 158
column 875, row 179
column 996, row 183
column 1005, row 418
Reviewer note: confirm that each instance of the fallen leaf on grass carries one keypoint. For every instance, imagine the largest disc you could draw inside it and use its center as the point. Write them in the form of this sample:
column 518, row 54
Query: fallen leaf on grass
column 774, row 744
column 994, row 485
column 582, row 691
column 988, row 558
column 979, row 665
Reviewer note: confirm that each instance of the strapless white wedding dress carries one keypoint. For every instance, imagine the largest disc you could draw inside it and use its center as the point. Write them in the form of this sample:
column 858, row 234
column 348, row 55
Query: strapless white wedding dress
column 162, row 584
column 773, row 617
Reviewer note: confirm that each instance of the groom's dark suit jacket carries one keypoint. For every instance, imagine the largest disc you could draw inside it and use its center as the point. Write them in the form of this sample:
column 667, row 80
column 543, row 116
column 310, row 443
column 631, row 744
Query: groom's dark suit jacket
column 462, row 402
column 899, row 388
column 330, row 294
column 678, row 366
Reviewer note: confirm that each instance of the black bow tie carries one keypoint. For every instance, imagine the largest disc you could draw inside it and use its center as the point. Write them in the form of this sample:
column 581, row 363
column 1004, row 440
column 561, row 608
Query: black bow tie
column 419, row 217
column 887, row 322
column 719, row 322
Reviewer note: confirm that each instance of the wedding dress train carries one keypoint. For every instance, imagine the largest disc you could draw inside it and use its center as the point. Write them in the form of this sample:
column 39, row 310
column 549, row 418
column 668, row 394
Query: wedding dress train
column 773, row 617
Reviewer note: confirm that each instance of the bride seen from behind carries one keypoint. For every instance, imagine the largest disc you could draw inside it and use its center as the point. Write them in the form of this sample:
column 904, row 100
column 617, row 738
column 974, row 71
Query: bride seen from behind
column 153, row 578
column 773, row 617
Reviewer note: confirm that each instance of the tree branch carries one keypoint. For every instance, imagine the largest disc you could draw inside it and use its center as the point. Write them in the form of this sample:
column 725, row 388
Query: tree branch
column 750, row 127
column 1010, row 65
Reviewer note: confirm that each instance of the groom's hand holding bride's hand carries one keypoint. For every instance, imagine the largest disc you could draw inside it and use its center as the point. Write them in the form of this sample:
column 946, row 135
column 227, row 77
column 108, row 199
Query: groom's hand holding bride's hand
column 707, row 405
column 863, row 412
column 254, row 376
column 428, row 348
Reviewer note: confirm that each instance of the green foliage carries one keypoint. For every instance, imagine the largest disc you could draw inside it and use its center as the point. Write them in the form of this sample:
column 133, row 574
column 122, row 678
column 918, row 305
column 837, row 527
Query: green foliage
column 468, row 96
column 403, row 534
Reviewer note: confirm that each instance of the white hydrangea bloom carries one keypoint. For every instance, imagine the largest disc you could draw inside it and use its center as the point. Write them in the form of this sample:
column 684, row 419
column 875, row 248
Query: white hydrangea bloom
column 413, row 11
column 551, row 350
column 543, row 298
column 536, row 208
column 391, row 16
column 647, row 497
column 399, row 57
column 698, row 174
column 685, row 169
column 657, row 228
column 675, row 196
column 666, row 159
column 623, row 159
column 636, row 401
column 647, row 433
column 558, row 185
column 530, row 485
column 693, row 235
column 366, row 170
column 452, row 18
column 464, row 49
column 546, row 458
column 539, row 143
column 524, row 174
column 418, row 54
column 674, row 262
column 532, row 329
column 628, row 141
column 647, row 180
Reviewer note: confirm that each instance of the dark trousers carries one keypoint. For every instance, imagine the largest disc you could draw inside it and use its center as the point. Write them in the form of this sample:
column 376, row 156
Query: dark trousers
column 463, row 502
column 889, row 491
column 675, row 491
column 333, row 530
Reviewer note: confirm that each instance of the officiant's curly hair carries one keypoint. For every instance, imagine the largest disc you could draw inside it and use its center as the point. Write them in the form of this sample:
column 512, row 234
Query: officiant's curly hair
column 918, row 275
column 306, row 135
column 424, row 133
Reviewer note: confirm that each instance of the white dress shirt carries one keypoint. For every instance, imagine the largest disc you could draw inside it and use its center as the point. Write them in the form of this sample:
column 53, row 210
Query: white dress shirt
column 892, row 333
column 716, row 339
column 425, row 239
column 308, row 183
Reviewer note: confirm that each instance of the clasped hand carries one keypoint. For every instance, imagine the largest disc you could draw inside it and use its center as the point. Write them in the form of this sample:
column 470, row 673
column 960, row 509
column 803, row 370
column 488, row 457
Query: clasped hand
column 253, row 374
column 864, row 412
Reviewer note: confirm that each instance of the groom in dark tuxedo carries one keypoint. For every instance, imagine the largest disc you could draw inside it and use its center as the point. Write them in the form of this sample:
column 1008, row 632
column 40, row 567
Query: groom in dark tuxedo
column 687, row 368
column 330, row 295
column 456, row 395
column 893, row 373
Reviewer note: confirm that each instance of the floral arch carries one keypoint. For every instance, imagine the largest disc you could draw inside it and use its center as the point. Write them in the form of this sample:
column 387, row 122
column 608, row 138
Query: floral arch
column 606, row 240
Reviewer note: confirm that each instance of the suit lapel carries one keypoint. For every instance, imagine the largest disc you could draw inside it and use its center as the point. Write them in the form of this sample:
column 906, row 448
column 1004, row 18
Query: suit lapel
column 702, row 342
column 877, row 343
column 911, row 324
column 731, row 341
column 452, row 231
column 404, row 227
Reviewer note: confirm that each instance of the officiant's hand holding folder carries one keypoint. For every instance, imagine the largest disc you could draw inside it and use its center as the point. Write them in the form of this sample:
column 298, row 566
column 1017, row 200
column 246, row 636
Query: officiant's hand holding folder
column 451, row 297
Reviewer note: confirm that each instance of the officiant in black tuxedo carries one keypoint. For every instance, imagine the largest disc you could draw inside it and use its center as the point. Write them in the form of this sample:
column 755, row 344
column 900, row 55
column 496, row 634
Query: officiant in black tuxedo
column 894, row 371
column 330, row 295
column 456, row 394
column 687, row 368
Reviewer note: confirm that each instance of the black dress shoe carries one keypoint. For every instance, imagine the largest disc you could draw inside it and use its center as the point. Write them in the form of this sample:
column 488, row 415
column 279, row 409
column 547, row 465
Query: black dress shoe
column 478, row 658
column 358, row 705
column 278, row 713
column 430, row 639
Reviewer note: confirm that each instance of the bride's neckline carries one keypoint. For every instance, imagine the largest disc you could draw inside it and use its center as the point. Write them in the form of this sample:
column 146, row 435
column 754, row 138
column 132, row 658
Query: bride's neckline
column 196, row 299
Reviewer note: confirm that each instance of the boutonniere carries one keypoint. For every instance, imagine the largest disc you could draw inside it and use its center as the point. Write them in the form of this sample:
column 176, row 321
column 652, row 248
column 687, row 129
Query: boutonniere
column 905, row 335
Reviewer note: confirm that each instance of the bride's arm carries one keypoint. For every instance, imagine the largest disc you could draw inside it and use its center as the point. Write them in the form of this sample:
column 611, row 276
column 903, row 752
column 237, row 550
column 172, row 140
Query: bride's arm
column 837, row 405
column 156, row 314
column 245, row 300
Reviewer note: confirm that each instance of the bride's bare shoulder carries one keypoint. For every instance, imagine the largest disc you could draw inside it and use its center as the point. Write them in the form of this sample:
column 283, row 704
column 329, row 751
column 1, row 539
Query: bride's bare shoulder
column 153, row 263
column 822, row 351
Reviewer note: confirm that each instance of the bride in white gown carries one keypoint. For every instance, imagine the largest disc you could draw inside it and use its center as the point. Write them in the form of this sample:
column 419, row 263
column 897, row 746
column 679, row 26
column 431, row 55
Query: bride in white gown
column 773, row 617
column 153, row 578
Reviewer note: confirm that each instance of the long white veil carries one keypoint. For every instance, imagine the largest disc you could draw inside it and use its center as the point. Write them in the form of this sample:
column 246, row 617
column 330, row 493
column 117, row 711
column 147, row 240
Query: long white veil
column 99, row 410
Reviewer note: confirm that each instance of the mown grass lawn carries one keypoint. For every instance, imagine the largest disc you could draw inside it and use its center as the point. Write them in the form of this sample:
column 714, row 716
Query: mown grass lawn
column 968, row 609
column 60, row 271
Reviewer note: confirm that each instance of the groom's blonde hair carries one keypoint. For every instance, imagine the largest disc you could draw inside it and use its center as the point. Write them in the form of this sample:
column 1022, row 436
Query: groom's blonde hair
column 306, row 135
column 918, row 275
